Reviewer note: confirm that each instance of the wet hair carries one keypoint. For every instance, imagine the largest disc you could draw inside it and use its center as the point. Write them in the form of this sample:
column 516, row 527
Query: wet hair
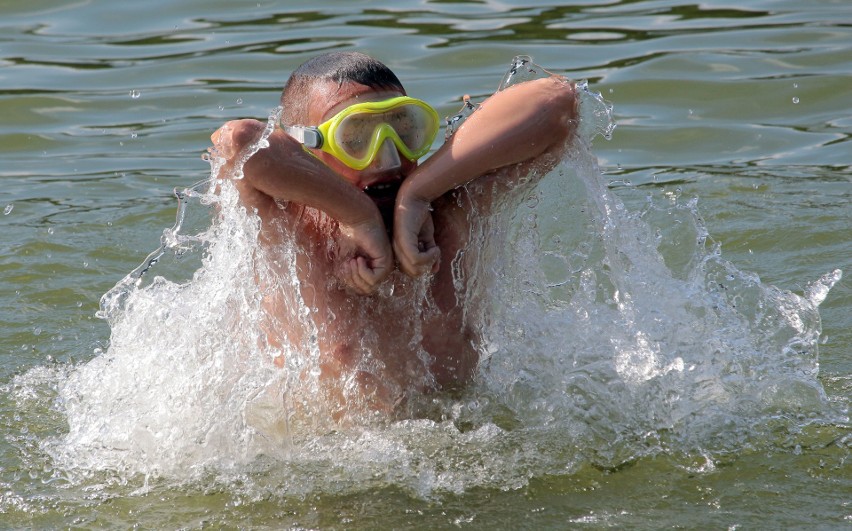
column 339, row 67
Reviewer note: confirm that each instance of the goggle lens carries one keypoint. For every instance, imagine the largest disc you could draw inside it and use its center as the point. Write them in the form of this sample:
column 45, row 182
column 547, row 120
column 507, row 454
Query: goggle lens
column 411, row 124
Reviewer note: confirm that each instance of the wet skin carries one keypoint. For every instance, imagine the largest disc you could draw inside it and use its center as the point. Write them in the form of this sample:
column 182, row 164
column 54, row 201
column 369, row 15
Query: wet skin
column 377, row 247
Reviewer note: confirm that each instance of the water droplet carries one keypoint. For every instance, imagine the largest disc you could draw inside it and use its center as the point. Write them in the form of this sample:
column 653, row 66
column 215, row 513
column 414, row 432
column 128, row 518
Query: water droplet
column 532, row 201
column 135, row 94
column 8, row 209
column 795, row 99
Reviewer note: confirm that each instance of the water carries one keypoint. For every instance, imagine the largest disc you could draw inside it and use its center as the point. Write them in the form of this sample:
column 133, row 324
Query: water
column 663, row 350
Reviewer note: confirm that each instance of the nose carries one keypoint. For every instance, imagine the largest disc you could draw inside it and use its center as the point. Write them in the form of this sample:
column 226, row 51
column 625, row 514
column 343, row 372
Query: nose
column 386, row 159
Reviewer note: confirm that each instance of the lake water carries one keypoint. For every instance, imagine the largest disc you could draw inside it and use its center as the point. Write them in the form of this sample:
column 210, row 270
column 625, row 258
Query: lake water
column 671, row 336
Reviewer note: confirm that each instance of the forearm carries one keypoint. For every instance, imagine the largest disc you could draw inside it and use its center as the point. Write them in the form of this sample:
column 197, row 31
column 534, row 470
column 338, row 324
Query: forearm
column 284, row 171
column 512, row 126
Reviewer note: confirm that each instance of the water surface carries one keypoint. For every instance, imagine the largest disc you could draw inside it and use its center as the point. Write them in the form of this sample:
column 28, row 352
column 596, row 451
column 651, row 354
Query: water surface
column 732, row 152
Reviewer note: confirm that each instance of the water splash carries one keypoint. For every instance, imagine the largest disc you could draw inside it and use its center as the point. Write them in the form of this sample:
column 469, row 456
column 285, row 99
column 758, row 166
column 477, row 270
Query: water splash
column 174, row 240
column 611, row 335
column 520, row 70
column 669, row 346
column 595, row 112
column 454, row 122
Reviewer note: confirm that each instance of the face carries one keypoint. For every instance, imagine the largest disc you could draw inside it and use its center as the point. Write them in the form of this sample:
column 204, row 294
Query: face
column 329, row 99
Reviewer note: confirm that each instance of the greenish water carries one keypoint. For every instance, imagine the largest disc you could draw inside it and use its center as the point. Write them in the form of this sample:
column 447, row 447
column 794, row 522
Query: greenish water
column 108, row 106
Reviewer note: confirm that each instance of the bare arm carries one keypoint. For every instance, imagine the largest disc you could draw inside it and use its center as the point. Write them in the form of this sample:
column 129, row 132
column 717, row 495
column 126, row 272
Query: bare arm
column 512, row 126
column 284, row 171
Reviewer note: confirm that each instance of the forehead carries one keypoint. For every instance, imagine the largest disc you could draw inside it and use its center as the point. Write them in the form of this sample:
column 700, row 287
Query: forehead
column 328, row 98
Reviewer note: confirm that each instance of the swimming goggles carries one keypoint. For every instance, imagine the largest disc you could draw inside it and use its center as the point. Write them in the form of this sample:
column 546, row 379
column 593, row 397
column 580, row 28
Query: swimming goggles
column 357, row 133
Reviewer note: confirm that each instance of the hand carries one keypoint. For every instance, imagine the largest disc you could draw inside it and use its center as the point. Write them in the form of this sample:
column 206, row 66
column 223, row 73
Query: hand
column 366, row 255
column 414, row 236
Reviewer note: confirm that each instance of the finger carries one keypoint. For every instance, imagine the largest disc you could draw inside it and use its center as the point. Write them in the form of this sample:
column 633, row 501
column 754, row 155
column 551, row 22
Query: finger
column 406, row 249
column 419, row 264
column 403, row 257
column 365, row 277
column 380, row 268
column 426, row 237
column 373, row 275
column 431, row 260
column 436, row 265
column 348, row 278
column 361, row 278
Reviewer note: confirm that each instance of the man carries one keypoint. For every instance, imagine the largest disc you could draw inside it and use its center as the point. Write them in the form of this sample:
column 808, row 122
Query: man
column 382, row 240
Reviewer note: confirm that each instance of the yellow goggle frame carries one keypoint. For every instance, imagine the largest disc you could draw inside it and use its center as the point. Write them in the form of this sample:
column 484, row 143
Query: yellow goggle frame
column 420, row 135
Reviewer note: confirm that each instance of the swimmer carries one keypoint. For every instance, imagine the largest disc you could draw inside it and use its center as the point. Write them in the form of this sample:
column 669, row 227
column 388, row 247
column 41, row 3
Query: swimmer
column 379, row 233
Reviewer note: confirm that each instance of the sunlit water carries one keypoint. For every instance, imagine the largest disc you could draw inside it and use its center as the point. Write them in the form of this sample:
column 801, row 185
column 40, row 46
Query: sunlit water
column 632, row 356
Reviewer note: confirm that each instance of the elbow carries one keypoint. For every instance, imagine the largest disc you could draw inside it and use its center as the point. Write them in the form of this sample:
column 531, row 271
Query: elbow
column 553, row 101
column 234, row 136
column 561, row 109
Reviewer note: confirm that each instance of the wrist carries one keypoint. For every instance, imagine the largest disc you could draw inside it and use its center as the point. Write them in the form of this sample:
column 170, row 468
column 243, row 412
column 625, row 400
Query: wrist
column 418, row 188
column 411, row 199
column 356, row 210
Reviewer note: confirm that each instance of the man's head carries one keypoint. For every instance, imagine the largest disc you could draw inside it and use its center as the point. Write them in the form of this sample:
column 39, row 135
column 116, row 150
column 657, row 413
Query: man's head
column 337, row 68
column 324, row 86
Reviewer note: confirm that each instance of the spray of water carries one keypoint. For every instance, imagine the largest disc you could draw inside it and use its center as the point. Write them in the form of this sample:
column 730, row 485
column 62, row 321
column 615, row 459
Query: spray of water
column 609, row 335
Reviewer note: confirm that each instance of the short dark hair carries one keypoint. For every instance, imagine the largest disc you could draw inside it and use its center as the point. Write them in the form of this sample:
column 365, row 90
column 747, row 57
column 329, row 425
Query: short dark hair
column 340, row 67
